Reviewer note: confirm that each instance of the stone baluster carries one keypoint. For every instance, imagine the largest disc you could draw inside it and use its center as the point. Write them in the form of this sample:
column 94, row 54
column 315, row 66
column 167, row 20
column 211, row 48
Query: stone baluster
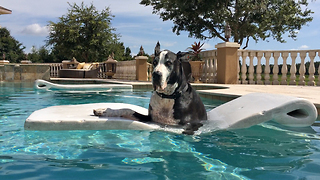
column 52, row 70
column 204, row 77
column 318, row 83
column 302, row 69
column 293, row 69
column 275, row 70
column 312, row 69
column 215, row 66
column 208, row 70
column 259, row 69
column 267, row 55
column 251, row 68
column 55, row 70
column 244, row 68
column 238, row 67
column 211, row 71
column 284, row 69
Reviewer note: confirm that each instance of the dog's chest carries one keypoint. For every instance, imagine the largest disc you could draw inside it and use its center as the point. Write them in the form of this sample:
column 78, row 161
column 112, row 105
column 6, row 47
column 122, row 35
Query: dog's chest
column 162, row 110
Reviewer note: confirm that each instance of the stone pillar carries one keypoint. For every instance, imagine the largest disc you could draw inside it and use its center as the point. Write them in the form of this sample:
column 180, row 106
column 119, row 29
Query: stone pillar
column 227, row 62
column 141, row 68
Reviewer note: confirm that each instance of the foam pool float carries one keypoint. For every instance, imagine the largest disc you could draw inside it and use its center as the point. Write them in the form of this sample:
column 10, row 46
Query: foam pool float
column 48, row 86
column 242, row 112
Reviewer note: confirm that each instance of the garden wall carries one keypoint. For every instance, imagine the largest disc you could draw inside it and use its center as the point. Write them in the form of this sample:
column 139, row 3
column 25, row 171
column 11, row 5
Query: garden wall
column 24, row 72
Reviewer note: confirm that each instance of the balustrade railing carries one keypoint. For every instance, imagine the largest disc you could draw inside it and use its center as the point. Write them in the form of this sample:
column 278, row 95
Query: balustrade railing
column 292, row 67
column 54, row 69
column 209, row 69
column 279, row 67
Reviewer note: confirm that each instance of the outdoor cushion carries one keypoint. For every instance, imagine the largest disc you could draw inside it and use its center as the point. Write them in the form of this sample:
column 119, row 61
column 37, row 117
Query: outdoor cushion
column 80, row 65
column 87, row 66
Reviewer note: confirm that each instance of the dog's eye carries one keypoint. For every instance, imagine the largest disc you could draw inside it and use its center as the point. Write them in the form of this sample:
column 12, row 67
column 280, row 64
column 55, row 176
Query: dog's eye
column 168, row 63
column 155, row 62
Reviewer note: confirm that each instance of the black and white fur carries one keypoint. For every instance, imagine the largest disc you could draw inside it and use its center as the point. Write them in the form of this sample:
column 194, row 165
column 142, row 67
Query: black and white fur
column 173, row 102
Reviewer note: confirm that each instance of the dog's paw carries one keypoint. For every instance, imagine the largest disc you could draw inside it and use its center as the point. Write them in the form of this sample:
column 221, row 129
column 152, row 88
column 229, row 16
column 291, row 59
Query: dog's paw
column 99, row 112
column 192, row 127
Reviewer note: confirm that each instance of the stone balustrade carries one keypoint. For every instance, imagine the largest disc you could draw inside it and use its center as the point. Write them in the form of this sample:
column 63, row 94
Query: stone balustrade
column 54, row 69
column 263, row 67
column 210, row 66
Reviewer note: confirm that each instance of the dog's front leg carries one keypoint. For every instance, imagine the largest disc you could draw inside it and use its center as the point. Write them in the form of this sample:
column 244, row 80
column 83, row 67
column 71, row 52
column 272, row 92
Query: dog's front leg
column 125, row 113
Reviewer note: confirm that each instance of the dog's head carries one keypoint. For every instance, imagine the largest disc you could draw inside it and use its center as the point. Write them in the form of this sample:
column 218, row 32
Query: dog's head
column 167, row 70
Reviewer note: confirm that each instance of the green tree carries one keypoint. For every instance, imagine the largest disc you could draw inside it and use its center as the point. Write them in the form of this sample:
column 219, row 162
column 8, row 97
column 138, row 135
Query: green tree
column 9, row 46
column 84, row 33
column 256, row 19
column 42, row 55
column 127, row 53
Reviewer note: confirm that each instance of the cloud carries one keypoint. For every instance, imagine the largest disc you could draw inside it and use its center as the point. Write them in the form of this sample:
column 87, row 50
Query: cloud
column 207, row 46
column 168, row 44
column 304, row 47
column 36, row 30
column 157, row 29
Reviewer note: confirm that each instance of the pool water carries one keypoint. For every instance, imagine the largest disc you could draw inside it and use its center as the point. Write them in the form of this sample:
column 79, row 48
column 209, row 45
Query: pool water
column 263, row 151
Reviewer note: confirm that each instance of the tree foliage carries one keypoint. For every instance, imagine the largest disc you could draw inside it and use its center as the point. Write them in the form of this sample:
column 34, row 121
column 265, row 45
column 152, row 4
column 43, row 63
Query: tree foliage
column 41, row 55
column 256, row 19
column 9, row 46
column 84, row 33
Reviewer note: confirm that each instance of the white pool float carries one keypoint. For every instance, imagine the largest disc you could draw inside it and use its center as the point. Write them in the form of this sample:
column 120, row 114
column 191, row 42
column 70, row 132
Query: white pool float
column 242, row 112
column 256, row 108
column 80, row 117
column 45, row 85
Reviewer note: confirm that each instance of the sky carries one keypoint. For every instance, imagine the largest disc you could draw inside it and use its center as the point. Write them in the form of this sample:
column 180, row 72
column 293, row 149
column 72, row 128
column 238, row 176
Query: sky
column 135, row 23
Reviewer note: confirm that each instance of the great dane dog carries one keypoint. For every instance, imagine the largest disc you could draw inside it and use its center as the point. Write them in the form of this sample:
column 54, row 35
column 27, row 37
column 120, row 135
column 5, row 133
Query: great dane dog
column 173, row 102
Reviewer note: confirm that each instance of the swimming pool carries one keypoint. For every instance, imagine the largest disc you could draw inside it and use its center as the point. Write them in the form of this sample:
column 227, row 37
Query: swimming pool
column 260, row 152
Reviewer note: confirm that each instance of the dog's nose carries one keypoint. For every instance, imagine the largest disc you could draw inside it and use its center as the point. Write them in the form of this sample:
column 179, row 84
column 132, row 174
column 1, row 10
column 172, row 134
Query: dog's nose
column 157, row 75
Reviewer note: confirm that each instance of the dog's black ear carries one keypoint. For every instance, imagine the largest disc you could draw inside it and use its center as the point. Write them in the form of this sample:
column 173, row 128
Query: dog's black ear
column 157, row 49
column 183, row 56
column 179, row 55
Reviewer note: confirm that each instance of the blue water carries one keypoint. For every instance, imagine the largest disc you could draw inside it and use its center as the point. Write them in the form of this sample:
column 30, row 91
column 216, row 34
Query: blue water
column 261, row 152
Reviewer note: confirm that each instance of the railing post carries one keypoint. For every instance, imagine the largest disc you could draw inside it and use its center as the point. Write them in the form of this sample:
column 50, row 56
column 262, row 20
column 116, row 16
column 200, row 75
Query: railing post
column 275, row 70
column 214, row 66
column 227, row 62
column 211, row 71
column 312, row 70
column 244, row 67
column 302, row 69
column 267, row 71
column 318, row 83
column 259, row 69
column 251, row 68
column 293, row 69
column 238, row 68
column 284, row 68
column 204, row 77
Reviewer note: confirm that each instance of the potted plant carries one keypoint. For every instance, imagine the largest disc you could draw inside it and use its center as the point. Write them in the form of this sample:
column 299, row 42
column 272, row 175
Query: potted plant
column 195, row 60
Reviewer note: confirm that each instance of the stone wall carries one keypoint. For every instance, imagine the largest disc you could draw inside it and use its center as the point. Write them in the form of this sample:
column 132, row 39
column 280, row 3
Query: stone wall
column 24, row 72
